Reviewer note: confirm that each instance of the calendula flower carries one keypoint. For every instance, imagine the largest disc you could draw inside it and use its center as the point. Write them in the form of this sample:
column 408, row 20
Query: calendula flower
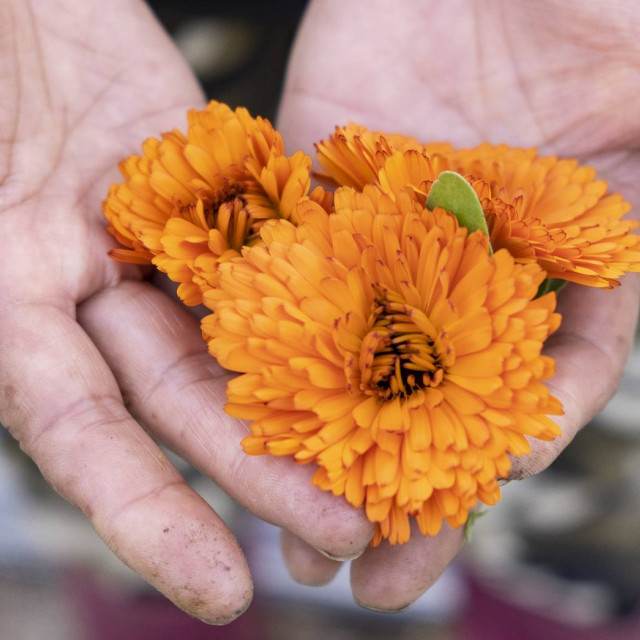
column 353, row 155
column 554, row 211
column 541, row 209
column 386, row 345
column 190, row 201
column 550, row 210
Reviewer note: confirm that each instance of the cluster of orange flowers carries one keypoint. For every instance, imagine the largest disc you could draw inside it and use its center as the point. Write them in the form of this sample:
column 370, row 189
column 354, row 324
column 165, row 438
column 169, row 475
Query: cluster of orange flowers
column 376, row 336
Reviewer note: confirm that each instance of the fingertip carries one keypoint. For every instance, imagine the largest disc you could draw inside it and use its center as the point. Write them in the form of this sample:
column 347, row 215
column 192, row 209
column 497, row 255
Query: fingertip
column 326, row 522
column 226, row 594
column 340, row 532
column 218, row 614
column 382, row 609
column 182, row 548
column 224, row 611
column 349, row 543
column 305, row 564
column 391, row 578
column 344, row 558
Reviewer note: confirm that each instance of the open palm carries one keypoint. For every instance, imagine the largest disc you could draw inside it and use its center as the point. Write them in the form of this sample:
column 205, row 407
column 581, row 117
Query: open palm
column 559, row 76
column 83, row 85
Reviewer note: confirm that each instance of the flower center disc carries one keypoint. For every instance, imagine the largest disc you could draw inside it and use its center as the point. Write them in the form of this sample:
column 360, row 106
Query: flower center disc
column 398, row 355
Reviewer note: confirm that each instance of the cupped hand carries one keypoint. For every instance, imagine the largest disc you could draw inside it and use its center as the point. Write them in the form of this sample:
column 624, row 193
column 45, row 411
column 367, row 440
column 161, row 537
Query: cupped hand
column 87, row 344
column 560, row 76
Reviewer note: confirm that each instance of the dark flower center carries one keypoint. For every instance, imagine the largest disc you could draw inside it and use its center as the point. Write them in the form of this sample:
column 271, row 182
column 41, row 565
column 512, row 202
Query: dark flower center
column 401, row 352
column 227, row 194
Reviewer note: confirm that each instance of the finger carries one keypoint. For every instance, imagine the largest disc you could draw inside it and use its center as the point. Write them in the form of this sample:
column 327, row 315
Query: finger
column 60, row 401
column 304, row 563
column 590, row 349
column 390, row 578
column 155, row 348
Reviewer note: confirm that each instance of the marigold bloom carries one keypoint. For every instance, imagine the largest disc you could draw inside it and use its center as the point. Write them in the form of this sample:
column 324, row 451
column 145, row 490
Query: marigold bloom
column 554, row 211
column 192, row 200
column 541, row 209
column 353, row 155
column 546, row 209
column 384, row 344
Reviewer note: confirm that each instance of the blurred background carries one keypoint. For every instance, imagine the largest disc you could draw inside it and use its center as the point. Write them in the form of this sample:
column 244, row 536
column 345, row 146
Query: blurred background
column 557, row 559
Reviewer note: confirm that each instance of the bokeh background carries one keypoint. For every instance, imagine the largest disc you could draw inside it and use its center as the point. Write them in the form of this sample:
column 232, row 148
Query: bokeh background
column 559, row 558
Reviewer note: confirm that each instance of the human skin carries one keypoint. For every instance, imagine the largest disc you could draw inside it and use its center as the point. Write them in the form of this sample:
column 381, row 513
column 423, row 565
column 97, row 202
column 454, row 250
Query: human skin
column 86, row 343
column 90, row 350
column 556, row 75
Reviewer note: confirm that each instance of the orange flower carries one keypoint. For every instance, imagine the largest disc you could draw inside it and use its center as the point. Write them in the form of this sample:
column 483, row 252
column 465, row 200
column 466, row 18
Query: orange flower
column 539, row 208
column 191, row 201
column 555, row 211
column 384, row 344
column 353, row 155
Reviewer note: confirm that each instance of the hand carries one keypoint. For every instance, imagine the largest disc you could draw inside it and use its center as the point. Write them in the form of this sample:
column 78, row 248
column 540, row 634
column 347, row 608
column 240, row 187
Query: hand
column 555, row 75
column 83, row 84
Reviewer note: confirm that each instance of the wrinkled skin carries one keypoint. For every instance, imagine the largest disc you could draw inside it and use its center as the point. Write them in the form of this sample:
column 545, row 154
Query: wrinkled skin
column 89, row 350
column 560, row 76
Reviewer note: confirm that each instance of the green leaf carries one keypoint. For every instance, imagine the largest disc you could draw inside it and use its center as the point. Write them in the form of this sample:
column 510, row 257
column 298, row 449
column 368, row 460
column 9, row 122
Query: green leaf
column 550, row 284
column 471, row 520
column 453, row 193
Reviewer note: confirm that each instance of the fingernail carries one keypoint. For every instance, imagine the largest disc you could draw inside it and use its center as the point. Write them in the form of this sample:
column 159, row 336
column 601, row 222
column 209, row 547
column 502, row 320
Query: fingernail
column 345, row 558
column 378, row 610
